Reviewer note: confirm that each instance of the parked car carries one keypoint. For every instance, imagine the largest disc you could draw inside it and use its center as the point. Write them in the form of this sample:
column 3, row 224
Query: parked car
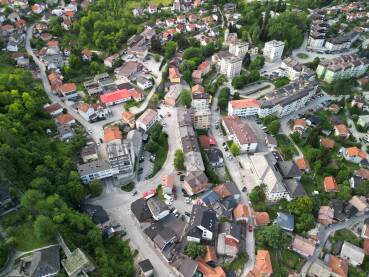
column 134, row 192
column 188, row 214
column 244, row 189
column 250, row 228
column 181, row 178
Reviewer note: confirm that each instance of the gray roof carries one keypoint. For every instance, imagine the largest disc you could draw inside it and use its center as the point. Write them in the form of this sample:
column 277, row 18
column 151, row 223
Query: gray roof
column 89, row 149
column 289, row 169
column 163, row 237
column 156, row 206
column 294, row 188
column 96, row 213
column 187, row 267
column 93, row 167
column 286, row 221
column 214, row 155
column 44, row 262
column 232, row 229
column 141, row 210
column 145, row 265
column 201, row 216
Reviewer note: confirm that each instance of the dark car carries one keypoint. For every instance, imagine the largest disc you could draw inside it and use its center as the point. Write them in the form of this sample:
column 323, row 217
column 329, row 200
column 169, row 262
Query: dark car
column 183, row 217
column 244, row 189
column 140, row 170
column 181, row 178
column 188, row 214
column 250, row 228
column 101, row 140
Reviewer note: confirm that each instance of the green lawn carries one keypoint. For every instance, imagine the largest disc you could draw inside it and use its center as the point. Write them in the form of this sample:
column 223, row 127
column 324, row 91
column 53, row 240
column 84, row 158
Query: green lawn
column 302, row 55
column 285, row 146
column 161, row 157
column 346, row 235
column 284, row 262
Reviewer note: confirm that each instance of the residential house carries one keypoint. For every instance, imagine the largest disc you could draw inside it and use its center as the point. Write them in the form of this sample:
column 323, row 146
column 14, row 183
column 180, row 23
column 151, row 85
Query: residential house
column 338, row 265
column 319, row 269
column 261, row 219
column 65, row 119
column 89, row 153
column 330, row 184
column 229, row 236
column 342, row 131
column 227, row 189
column 354, row 254
column 243, row 107
column 263, row 265
column 173, row 94
column 208, row 271
column 120, row 96
column 303, row 246
column 147, row 120
column 241, row 213
column 68, row 90
column 354, row 154
column 174, row 75
column 129, row 118
column 365, row 230
column 358, row 177
column 86, row 54
column 215, row 157
column 299, row 126
column 138, row 11
column 202, row 224
column 195, row 182
column 140, row 210
column 271, row 142
column 143, row 83
column 157, row 208
column 167, row 183
column 97, row 214
column 303, row 165
column 325, row 215
column 96, row 170
column 241, row 133
column 286, row 221
column 43, row 262
column 327, row 143
column 112, row 134
column 54, row 109
column 65, row 132
column 359, row 202
column 111, row 60
column 152, row 9
column 146, row 268
column 128, row 71
column 207, row 142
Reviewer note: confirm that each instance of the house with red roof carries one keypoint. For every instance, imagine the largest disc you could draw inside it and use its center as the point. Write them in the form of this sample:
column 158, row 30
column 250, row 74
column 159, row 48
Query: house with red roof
column 120, row 96
column 354, row 154
column 68, row 90
column 330, row 184
column 65, row 119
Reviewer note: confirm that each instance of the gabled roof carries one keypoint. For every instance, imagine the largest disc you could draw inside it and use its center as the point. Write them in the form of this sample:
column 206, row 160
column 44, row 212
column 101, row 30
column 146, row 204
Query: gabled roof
column 96, row 213
column 203, row 217
column 241, row 211
column 327, row 143
column 245, row 103
column 64, row 118
column 288, row 169
column 330, row 184
column 338, row 265
column 263, row 265
column 294, row 188
column 141, row 210
column 286, row 221
column 227, row 189
column 261, row 218
column 111, row 133
column 145, row 265
column 355, row 152
column 44, row 262
column 303, row 246
column 210, row 255
column 209, row 271
column 303, row 164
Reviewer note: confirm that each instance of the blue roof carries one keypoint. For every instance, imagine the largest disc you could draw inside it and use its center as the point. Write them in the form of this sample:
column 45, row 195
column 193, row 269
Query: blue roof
column 286, row 221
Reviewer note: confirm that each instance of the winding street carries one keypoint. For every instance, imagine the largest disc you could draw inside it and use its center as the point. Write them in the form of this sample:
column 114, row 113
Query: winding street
column 324, row 234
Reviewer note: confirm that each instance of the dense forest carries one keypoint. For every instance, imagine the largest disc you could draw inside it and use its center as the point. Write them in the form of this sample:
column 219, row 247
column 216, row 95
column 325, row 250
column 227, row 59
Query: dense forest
column 42, row 172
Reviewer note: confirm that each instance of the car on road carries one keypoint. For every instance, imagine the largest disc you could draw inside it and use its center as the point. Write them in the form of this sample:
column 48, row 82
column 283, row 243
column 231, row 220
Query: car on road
column 183, row 217
column 244, row 189
column 181, row 177
column 140, row 170
column 134, row 192
column 101, row 141
column 250, row 228
column 188, row 200
column 188, row 214
column 90, row 131
column 177, row 214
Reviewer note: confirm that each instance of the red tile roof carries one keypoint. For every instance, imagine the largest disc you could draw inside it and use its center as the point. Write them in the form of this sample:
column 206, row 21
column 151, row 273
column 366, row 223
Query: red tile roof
column 65, row 118
column 115, row 96
column 112, row 133
column 330, row 184
column 245, row 103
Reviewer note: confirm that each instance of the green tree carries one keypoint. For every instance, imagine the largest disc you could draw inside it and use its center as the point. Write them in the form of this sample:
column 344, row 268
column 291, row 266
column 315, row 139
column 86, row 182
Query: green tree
column 44, row 228
column 170, row 49
column 152, row 146
column 179, row 160
column 272, row 236
column 235, row 149
column 301, row 205
column 345, row 191
column 193, row 250
column 304, row 223
column 274, row 126
column 96, row 188
column 186, row 98
column 223, row 98
column 4, row 252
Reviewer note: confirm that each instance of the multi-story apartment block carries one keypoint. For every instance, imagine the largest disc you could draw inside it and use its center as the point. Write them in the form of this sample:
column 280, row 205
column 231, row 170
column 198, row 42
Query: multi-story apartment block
column 241, row 133
column 230, row 66
column 96, row 170
column 122, row 157
column 147, row 120
column 341, row 43
column 344, row 67
column 294, row 69
column 279, row 102
column 238, row 48
column 273, row 50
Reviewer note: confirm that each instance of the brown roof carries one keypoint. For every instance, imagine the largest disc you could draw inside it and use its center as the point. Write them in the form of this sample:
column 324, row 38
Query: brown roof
column 168, row 181
column 363, row 173
column 209, row 271
column 263, row 265
column 241, row 211
column 68, row 87
column 112, row 133
column 302, row 164
column 341, row 129
column 198, row 89
column 330, row 184
column 338, row 265
column 303, row 245
column 300, row 122
column 327, row 143
column 261, row 218
column 366, row 246
column 239, row 128
column 355, row 151
column 128, row 116
column 64, row 118
column 359, row 203
column 53, row 107
column 210, row 255
column 222, row 191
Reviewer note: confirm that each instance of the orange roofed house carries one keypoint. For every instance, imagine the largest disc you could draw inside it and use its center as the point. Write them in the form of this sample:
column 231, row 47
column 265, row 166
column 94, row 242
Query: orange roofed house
column 241, row 213
column 261, row 218
column 263, row 265
column 129, row 118
column 299, row 126
column 174, row 75
column 342, row 131
column 339, row 266
column 354, row 154
column 243, row 107
column 68, row 90
column 209, row 271
column 303, row 164
column 330, row 184
column 112, row 133
column 65, row 119
column 327, row 143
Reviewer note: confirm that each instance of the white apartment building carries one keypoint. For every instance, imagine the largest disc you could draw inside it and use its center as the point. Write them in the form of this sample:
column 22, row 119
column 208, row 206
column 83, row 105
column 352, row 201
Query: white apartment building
column 264, row 169
column 201, row 111
column 231, row 66
column 241, row 133
column 238, row 48
column 147, row 120
column 243, row 107
column 96, row 170
column 273, row 50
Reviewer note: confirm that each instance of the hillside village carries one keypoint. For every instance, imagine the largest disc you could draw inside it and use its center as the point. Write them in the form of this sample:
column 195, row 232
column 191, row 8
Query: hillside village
column 219, row 139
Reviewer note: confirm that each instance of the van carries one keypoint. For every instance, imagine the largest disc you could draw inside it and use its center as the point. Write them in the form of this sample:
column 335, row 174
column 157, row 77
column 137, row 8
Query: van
column 166, row 196
column 175, row 211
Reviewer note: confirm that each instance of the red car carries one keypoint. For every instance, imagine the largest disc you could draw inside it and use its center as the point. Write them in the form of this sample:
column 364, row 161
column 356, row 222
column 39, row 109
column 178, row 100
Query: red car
column 250, row 228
